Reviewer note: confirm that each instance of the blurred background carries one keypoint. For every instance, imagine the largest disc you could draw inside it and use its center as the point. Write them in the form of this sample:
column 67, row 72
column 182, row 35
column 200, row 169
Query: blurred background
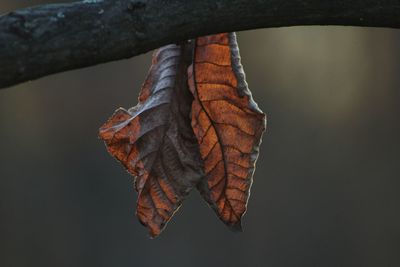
column 326, row 188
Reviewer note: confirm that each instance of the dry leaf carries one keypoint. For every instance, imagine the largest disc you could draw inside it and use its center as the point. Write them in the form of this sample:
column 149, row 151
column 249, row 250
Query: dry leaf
column 169, row 153
column 227, row 123
column 154, row 140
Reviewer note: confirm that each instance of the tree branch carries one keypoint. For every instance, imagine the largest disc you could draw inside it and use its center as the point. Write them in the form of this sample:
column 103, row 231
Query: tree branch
column 42, row 40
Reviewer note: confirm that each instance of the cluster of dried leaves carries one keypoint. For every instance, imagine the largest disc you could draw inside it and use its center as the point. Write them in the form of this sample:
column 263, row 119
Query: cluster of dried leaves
column 196, row 125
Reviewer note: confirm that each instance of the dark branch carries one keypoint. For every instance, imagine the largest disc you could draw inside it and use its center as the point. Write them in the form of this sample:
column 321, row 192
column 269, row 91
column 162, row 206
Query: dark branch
column 39, row 41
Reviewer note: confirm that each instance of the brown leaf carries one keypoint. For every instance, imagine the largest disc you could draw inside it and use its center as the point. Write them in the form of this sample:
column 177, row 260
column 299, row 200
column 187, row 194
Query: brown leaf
column 227, row 123
column 155, row 142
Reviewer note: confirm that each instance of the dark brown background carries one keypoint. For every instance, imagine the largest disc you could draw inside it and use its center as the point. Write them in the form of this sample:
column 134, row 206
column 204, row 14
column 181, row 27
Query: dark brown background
column 326, row 190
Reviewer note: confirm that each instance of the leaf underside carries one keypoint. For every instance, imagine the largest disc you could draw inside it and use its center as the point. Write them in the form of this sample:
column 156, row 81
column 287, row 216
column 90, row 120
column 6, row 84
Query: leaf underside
column 154, row 140
column 227, row 123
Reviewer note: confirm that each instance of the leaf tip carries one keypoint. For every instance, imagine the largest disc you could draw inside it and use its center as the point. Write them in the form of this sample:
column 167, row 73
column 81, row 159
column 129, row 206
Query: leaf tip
column 153, row 232
column 236, row 227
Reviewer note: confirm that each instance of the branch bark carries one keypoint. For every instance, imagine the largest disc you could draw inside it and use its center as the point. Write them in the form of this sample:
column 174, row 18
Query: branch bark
column 42, row 40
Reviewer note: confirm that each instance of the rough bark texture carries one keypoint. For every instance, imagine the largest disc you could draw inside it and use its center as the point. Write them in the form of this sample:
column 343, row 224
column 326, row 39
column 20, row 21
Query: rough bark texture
column 38, row 41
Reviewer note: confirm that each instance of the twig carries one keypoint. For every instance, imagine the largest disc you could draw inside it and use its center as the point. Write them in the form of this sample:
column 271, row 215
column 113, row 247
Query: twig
column 47, row 39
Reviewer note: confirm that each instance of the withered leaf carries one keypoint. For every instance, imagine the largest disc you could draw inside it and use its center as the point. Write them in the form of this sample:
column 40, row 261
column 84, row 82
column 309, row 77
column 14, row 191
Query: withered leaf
column 169, row 154
column 154, row 140
column 227, row 123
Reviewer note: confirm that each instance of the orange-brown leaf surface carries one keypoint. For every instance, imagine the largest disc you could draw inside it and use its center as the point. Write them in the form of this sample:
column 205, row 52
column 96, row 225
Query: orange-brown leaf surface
column 227, row 123
column 154, row 140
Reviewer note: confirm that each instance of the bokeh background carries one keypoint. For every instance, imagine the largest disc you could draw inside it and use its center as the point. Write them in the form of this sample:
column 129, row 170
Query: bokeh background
column 326, row 190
